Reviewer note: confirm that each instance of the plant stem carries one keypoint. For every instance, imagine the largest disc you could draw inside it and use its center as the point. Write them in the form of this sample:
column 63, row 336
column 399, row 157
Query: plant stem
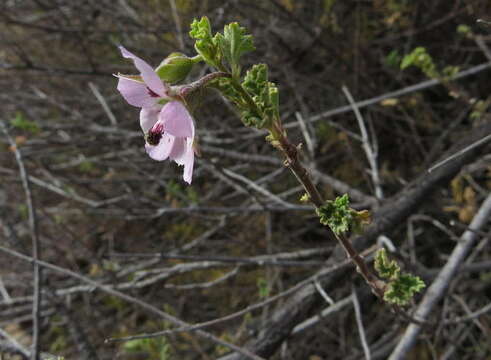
column 292, row 162
column 187, row 89
column 290, row 151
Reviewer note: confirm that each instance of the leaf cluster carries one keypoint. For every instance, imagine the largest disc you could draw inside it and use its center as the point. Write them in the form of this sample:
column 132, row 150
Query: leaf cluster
column 157, row 348
column 233, row 43
column 420, row 58
column 265, row 96
column 222, row 50
column 256, row 98
column 20, row 122
column 401, row 287
column 206, row 45
column 340, row 217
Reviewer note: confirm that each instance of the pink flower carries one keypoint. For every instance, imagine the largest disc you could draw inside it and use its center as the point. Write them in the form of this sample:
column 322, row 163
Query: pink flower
column 167, row 123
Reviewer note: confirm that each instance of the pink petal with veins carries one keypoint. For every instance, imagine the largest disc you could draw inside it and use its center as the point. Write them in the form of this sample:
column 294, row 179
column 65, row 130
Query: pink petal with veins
column 149, row 76
column 135, row 92
column 187, row 159
column 178, row 149
column 177, row 120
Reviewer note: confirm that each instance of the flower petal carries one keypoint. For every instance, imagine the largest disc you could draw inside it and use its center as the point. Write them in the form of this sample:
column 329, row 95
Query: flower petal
column 149, row 117
column 161, row 151
column 178, row 149
column 185, row 157
column 149, row 76
column 188, row 169
column 135, row 92
column 188, row 162
column 177, row 120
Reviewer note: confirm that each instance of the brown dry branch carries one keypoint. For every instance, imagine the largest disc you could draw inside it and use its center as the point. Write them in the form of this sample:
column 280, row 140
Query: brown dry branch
column 36, row 250
column 128, row 298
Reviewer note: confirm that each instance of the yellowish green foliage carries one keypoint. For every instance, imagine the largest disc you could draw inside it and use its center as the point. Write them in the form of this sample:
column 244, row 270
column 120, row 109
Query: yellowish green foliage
column 400, row 287
column 288, row 4
column 329, row 18
column 154, row 348
column 340, row 217
column 22, row 123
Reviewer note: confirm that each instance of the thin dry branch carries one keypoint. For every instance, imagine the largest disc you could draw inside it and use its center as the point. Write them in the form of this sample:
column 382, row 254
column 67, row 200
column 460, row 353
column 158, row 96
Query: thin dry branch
column 144, row 305
column 440, row 284
column 359, row 323
column 370, row 153
column 36, row 249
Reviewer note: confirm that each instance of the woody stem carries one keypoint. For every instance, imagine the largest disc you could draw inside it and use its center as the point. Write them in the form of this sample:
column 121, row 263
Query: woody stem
column 290, row 152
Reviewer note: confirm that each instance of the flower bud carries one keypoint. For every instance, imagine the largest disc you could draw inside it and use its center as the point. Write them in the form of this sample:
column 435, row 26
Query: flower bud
column 174, row 68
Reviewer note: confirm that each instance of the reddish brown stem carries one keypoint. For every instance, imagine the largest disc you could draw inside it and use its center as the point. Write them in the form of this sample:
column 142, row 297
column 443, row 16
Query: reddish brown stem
column 293, row 163
column 185, row 90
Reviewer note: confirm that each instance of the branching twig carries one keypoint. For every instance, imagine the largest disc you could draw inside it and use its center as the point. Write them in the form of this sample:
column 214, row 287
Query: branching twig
column 21, row 349
column 322, row 315
column 393, row 94
column 247, row 310
column 460, row 152
column 150, row 308
column 359, row 322
column 103, row 103
column 37, row 276
column 438, row 287
column 177, row 20
column 367, row 147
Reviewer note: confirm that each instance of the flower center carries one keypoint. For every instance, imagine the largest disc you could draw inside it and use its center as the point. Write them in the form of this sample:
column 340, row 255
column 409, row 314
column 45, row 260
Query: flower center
column 152, row 93
column 155, row 134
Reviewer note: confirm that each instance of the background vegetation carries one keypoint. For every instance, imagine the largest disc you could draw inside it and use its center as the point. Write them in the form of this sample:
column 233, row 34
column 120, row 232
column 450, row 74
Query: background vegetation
column 239, row 234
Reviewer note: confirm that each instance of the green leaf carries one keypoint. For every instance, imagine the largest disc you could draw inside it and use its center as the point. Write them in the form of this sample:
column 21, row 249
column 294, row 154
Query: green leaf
column 205, row 44
column 201, row 29
column 164, row 350
column 464, row 29
column 450, row 71
column 86, row 166
column 417, row 57
column 154, row 348
column 233, row 44
column 401, row 287
column 336, row 214
column 224, row 86
column 20, row 122
column 265, row 96
column 386, row 268
column 305, row 198
column 256, row 78
column 264, row 289
column 420, row 58
column 393, row 58
column 401, row 290
column 133, row 345
column 407, row 61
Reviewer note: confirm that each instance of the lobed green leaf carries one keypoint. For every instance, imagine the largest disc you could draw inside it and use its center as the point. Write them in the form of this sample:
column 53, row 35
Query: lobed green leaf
column 336, row 214
column 401, row 290
column 388, row 269
column 233, row 44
